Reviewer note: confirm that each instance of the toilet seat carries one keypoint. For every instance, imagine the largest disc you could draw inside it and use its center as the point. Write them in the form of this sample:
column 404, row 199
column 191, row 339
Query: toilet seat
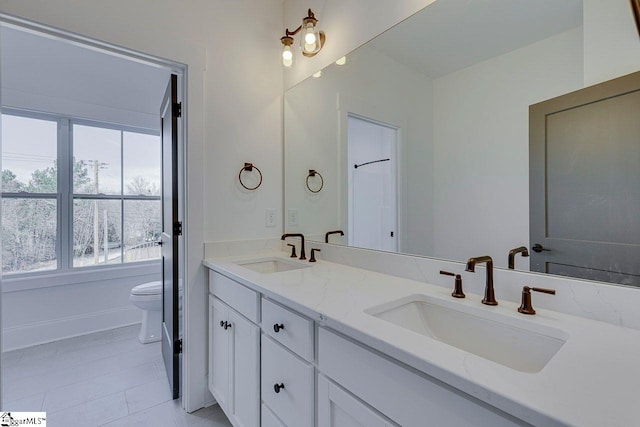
column 151, row 288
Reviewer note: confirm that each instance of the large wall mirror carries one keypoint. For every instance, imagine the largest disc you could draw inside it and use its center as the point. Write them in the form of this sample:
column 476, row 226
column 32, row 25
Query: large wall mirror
column 421, row 138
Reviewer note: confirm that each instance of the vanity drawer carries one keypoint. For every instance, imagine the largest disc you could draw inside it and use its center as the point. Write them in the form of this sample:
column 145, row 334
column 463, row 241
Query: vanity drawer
column 294, row 403
column 293, row 331
column 239, row 297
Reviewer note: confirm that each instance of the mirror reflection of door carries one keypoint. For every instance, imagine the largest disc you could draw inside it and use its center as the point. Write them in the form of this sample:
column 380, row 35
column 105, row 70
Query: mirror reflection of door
column 372, row 186
column 585, row 183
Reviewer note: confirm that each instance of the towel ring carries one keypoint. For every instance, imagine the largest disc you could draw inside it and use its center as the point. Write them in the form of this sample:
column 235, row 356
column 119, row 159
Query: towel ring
column 313, row 172
column 249, row 167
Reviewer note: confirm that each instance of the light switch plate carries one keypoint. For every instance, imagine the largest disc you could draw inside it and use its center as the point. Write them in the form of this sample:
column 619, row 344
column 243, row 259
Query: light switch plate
column 292, row 217
column 270, row 217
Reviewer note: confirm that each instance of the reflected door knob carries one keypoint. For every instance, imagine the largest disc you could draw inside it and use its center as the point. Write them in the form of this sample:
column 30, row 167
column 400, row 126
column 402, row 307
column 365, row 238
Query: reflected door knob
column 539, row 248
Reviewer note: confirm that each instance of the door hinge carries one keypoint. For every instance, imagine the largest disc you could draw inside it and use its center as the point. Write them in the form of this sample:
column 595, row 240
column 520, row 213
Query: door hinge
column 177, row 228
column 177, row 109
column 178, row 347
column 391, row 234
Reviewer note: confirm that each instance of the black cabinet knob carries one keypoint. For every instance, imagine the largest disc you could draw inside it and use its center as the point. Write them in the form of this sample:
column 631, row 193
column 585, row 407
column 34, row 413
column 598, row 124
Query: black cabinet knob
column 278, row 387
column 278, row 327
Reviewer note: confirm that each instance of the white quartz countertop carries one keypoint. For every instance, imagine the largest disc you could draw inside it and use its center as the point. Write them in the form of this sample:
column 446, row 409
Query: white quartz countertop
column 593, row 380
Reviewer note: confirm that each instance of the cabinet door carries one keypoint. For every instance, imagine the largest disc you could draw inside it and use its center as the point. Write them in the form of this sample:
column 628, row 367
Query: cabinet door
column 220, row 342
column 245, row 371
column 337, row 408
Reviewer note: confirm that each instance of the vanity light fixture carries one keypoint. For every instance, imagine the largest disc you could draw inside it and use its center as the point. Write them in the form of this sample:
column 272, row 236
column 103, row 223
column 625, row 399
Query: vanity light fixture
column 341, row 61
column 311, row 39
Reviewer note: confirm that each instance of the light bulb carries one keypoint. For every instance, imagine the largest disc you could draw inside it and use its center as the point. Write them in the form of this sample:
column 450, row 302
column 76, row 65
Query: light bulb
column 309, row 47
column 341, row 61
column 287, row 57
column 310, row 37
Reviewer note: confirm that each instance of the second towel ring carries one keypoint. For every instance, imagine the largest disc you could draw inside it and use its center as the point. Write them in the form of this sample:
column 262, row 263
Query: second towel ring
column 313, row 172
column 249, row 167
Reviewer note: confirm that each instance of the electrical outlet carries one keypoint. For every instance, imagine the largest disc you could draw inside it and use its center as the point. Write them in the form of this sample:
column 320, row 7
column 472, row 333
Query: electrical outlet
column 270, row 217
column 292, row 217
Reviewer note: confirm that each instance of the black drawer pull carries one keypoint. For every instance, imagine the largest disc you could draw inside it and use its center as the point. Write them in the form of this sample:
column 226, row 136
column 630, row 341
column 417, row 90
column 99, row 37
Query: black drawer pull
column 278, row 387
column 278, row 327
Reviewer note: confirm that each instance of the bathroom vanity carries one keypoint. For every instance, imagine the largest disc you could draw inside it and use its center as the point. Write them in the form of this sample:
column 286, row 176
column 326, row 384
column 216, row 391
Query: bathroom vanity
column 299, row 344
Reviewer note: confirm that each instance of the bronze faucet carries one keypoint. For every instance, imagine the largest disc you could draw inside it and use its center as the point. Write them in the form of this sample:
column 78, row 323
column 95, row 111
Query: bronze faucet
column 301, row 236
column 489, row 297
column 328, row 233
column 512, row 255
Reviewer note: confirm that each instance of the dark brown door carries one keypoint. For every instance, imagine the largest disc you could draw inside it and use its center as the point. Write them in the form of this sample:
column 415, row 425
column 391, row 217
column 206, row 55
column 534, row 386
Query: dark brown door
column 585, row 183
column 171, row 229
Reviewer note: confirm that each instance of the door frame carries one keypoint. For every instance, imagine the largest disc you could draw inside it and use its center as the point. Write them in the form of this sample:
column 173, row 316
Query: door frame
column 175, row 67
column 395, row 172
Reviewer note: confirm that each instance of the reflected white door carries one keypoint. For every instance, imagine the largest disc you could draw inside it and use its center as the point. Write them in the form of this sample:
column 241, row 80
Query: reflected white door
column 372, row 184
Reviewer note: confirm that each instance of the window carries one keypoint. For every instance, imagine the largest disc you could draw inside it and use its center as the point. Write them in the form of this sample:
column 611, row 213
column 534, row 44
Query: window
column 77, row 194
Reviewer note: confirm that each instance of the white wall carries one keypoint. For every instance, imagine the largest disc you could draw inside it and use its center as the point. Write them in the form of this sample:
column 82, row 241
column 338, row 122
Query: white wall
column 481, row 145
column 87, row 302
column 233, row 112
column 347, row 25
column 611, row 41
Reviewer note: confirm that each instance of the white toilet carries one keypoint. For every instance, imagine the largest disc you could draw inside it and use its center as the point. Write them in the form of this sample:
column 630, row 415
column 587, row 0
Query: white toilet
column 148, row 298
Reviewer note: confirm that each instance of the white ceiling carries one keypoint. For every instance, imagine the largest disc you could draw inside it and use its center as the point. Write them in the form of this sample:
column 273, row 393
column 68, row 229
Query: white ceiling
column 55, row 68
column 449, row 35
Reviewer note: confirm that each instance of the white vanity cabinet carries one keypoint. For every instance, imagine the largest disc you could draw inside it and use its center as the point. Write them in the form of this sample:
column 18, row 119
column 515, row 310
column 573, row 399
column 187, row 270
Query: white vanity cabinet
column 234, row 362
column 291, row 372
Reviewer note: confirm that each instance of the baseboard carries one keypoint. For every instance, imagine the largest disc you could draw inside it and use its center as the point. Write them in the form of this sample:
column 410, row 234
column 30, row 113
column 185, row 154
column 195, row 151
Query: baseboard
column 54, row 330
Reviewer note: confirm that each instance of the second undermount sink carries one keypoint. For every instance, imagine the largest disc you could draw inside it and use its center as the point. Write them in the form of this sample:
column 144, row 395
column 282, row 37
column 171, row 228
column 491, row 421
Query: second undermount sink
column 516, row 343
column 270, row 265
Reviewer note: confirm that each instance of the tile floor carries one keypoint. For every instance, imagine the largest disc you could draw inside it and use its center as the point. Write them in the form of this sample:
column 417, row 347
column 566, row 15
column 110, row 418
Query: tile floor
column 103, row 379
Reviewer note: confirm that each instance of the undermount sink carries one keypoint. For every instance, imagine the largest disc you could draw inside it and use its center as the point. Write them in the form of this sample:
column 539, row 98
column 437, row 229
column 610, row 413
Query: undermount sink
column 270, row 265
column 516, row 343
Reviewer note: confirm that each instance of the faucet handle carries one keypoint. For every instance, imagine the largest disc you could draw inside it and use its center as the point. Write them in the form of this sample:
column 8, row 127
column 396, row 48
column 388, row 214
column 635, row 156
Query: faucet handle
column 525, row 305
column 457, row 289
column 293, row 250
column 313, row 254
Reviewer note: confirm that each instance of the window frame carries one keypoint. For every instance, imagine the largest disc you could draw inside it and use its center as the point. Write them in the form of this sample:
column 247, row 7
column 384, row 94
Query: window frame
column 65, row 195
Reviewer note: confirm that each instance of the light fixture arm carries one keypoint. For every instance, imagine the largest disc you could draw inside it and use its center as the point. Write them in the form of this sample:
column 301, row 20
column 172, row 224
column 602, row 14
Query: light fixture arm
column 310, row 17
